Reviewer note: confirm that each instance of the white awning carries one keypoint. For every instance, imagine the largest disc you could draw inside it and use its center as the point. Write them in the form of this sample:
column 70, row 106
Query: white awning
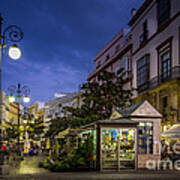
column 173, row 132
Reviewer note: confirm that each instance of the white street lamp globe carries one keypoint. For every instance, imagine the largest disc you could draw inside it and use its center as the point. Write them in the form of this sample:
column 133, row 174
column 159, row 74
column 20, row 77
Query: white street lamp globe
column 25, row 121
column 26, row 99
column 14, row 52
column 11, row 99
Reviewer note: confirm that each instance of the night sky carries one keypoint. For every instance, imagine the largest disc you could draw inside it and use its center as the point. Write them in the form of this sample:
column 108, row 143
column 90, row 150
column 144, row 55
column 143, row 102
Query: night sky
column 61, row 38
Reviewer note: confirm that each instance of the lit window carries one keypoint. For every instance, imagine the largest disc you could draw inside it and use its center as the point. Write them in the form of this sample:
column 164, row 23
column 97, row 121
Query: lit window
column 145, row 138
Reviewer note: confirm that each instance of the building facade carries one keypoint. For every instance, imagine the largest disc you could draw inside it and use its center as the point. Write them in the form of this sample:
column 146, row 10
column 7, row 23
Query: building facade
column 54, row 108
column 155, row 29
column 9, row 114
column 152, row 46
column 115, row 55
column 37, row 110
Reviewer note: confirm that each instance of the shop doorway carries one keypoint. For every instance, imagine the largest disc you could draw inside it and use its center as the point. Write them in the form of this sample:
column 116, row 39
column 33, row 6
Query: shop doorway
column 118, row 149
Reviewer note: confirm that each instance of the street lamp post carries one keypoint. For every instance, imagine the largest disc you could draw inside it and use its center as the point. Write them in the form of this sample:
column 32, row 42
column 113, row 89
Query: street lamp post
column 18, row 93
column 11, row 34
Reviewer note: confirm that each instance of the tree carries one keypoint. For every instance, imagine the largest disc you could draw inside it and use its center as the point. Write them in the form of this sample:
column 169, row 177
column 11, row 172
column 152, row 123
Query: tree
column 35, row 127
column 11, row 132
column 58, row 124
column 99, row 98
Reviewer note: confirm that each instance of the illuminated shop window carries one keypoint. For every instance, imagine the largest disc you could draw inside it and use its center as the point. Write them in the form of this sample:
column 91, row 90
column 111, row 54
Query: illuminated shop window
column 145, row 138
column 118, row 145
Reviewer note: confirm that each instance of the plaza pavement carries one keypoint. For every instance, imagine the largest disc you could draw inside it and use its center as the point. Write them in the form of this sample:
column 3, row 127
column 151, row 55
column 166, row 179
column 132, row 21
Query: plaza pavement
column 141, row 175
column 28, row 170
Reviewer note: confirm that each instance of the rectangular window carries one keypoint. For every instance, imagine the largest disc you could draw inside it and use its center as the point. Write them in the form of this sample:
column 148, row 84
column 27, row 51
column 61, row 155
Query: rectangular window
column 164, row 51
column 107, row 57
column 144, row 35
column 143, row 73
column 124, row 65
column 117, row 48
column 165, row 65
column 165, row 106
column 163, row 11
column 98, row 64
column 145, row 138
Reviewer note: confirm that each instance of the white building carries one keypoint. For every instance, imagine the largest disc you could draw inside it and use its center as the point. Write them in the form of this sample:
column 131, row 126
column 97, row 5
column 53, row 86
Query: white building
column 54, row 108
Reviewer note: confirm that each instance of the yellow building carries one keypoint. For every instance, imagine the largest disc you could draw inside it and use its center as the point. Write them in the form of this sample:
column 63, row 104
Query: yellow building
column 33, row 110
column 156, row 57
column 166, row 99
column 13, row 113
column 36, row 111
column 5, row 112
column 9, row 113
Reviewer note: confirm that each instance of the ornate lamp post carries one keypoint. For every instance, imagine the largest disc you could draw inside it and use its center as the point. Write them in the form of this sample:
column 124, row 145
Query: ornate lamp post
column 17, row 93
column 11, row 34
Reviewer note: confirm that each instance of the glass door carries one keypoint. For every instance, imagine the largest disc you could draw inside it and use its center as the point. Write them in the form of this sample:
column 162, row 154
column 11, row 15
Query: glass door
column 127, row 148
column 117, row 148
column 109, row 148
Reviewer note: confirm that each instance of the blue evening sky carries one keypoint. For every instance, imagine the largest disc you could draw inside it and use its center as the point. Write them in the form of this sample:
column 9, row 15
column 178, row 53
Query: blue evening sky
column 61, row 37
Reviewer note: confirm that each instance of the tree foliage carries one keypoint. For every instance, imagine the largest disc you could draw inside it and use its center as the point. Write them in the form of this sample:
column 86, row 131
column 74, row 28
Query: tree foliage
column 100, row 98
column 57, row 125
column 35, row 127
column 98, row 101
column 11, row 132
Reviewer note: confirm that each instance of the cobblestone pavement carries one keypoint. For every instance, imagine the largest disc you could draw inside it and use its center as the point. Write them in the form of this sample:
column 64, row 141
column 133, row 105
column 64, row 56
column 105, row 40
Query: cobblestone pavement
column 28, row 170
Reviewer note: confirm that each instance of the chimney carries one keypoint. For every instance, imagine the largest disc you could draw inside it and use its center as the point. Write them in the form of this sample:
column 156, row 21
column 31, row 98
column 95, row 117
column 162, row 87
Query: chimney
column 133, row 12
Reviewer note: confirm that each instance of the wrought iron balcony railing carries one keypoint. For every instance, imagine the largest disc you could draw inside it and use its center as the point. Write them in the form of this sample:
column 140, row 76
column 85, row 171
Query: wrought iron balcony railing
column 172, row 74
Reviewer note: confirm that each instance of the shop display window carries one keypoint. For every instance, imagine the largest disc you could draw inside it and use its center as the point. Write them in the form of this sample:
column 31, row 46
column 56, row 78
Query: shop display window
column 145, row 138
column 118, row 145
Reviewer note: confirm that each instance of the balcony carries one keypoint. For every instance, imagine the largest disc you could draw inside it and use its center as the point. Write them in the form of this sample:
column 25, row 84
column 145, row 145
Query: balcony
column 174, row 73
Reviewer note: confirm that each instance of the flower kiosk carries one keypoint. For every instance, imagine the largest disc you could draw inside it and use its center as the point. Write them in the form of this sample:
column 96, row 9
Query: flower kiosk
column 129, row 139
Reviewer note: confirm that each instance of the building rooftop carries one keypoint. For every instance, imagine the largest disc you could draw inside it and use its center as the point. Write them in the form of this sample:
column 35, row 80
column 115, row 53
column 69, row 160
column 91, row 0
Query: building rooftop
column 140, row 11
column 123, row 121
column 62, row 99
column 128, row 111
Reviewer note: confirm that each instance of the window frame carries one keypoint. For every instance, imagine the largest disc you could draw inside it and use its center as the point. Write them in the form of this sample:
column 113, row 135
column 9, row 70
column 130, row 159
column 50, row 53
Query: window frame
column 126, row 71
column 107, row 57
column 165, row 65
column 152, row 136
column 162, row 49
column 98, row 64
column 163, row 10
column 165, row 114
column 144, row 36
column 143, row 74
